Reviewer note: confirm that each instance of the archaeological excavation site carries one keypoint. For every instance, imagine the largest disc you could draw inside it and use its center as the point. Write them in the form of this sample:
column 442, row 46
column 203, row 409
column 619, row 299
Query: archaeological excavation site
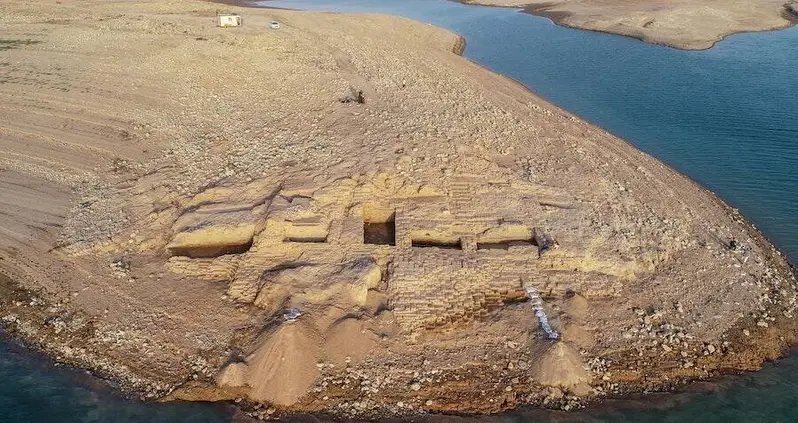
column 196, row 214
column 360, row 264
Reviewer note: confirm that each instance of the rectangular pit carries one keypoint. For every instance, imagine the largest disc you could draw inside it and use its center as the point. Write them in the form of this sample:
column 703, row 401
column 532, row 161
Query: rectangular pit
column 449, row 245
column 210, row 251
column 379, row 225
column 506, row 244
column 315, row 233
column 431, row 238
column 310, row 240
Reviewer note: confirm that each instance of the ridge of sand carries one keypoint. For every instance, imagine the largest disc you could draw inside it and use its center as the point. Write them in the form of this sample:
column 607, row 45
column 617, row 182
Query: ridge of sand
column 560, row 365
column 283, row 366
column 171, row 189
column 688, row 25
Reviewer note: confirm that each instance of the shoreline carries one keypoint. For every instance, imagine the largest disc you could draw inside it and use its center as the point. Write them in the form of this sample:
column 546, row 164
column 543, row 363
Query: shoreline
column 780, row 327
column 559, row 17
column 458, row 48
column 780, row 340
column 788, row 13
column 678, row 385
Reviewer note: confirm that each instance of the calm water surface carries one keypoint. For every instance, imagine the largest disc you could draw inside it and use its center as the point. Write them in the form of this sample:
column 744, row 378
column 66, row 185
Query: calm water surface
column 34, row 390
column 726, row 117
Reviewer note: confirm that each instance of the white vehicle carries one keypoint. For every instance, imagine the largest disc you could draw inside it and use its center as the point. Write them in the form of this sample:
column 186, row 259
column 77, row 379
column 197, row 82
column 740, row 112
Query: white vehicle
column 274, row 25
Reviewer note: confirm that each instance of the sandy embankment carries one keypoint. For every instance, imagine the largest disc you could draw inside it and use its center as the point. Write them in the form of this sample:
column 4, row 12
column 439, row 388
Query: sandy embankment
column 689, row 25
column 169, row 189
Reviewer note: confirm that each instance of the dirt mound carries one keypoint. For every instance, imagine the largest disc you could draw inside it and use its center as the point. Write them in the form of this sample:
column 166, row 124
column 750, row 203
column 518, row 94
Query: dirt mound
column 579, row 336
column 283, row 366
column 560, row 365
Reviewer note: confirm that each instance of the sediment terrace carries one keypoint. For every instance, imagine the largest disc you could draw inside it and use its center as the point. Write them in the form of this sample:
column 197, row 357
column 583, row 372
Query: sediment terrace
column 210, row 213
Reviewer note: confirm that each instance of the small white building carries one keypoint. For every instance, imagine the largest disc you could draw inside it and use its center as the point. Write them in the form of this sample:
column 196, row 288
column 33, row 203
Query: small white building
column 225, row 20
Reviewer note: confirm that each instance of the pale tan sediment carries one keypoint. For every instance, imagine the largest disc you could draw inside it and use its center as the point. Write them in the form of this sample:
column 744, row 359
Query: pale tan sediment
column 188, row 185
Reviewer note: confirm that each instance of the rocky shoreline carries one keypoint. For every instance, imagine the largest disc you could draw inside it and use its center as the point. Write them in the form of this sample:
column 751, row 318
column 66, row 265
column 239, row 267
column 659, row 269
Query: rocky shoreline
column 172, row 276
column 67, row 339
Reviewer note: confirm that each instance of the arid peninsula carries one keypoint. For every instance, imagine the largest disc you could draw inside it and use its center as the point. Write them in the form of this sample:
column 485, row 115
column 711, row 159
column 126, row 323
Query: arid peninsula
column 344, row 216
column 685, row 24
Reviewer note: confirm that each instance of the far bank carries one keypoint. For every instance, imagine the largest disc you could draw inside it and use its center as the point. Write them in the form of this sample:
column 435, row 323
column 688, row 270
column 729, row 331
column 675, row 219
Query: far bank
column 683, row 25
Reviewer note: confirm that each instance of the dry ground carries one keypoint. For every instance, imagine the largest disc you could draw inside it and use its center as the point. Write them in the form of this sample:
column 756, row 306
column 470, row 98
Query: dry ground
column 169, row 187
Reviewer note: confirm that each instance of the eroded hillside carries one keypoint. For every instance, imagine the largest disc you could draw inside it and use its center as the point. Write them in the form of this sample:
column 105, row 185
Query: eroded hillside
column 211, row 213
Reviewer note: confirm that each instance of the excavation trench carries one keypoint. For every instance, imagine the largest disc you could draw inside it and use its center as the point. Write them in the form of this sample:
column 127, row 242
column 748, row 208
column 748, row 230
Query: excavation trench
column 211, row 251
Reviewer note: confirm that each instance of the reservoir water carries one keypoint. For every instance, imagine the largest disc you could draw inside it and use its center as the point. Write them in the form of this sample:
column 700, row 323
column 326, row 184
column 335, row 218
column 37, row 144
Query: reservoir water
column 34, row 390
column 727, row 117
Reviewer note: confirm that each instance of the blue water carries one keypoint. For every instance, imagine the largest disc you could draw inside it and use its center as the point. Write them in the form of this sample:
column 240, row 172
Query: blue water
column 33, row 389
column 727, row 117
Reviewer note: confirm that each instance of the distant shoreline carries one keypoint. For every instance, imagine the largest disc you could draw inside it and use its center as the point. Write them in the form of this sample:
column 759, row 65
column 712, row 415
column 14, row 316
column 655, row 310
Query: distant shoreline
column 114, row 296
column 559, row 17
column 613, row 23
column 572, row 19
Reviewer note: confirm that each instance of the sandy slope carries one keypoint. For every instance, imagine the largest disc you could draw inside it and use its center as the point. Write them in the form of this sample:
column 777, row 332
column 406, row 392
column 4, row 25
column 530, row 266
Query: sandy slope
column 170, row 188
column 685, row 24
